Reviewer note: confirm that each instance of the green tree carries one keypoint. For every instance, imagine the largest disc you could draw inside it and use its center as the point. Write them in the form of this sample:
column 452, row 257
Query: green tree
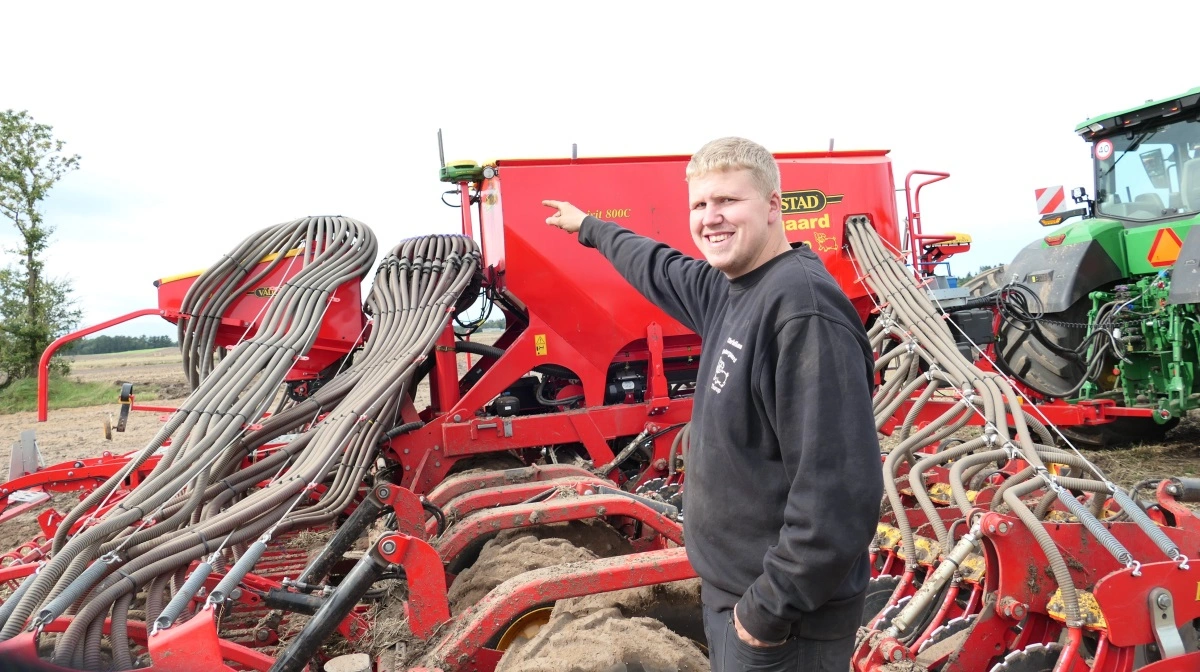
column 34, row 309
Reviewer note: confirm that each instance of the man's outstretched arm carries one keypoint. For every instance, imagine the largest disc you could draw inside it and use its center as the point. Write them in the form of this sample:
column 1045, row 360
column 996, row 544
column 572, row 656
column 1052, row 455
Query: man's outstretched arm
column 671, row 280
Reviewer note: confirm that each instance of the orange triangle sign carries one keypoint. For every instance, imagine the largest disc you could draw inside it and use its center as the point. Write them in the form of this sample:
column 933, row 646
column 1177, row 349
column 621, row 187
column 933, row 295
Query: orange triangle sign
column 1165, row 248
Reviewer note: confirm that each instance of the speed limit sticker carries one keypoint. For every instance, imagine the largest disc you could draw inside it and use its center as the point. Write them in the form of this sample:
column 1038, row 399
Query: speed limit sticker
column 1104, row 150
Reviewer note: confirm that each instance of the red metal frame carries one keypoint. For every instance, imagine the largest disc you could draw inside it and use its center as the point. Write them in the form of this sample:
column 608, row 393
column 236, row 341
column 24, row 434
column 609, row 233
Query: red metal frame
column 916, row 236
column 48, row 353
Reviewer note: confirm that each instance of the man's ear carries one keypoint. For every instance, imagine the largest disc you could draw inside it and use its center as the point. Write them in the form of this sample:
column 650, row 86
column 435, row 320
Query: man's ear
column 775, row 208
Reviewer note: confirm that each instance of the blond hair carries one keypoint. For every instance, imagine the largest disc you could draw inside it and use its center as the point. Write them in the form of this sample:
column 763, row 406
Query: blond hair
column 734, row 153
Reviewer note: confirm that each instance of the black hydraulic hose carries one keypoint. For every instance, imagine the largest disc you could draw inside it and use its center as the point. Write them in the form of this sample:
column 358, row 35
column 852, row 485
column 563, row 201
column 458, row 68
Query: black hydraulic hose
column 492, row 352
column 303, row 646
column 438, row 515
column 403, row 429
column 367, row 512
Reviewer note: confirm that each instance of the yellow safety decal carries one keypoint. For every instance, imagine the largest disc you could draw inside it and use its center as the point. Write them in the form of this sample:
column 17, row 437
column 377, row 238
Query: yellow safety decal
column 539, row 344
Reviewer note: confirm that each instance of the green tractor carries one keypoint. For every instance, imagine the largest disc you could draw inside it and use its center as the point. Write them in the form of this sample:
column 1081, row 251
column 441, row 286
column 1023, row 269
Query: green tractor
column 1107, row 306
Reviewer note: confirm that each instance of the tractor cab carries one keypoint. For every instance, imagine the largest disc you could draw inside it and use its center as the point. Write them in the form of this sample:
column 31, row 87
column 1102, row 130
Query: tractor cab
column 1147, row 161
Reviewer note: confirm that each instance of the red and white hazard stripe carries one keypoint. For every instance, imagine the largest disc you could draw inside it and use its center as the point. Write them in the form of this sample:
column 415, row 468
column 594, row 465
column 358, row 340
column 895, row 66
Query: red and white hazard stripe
column 1050, row 199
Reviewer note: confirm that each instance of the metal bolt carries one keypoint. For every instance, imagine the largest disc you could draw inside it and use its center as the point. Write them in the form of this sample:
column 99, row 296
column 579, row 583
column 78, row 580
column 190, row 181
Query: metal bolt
column 406, row 451
column 388, row 547
column 384, row 492
column 660, row 464
column 262, row 635
column 457, row 417
column 1019, row 611
column 1003, row 528
column 1164, row 601
column 407, row 468
column 70, row 473
column 236, row 593
column 436, row 463
column 897, row 655
column 992, row 528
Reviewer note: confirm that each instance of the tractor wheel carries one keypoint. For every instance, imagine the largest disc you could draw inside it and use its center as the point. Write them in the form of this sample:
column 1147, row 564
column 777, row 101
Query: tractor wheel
column 604, row 640
column 1035, row 356
column 1037, row 359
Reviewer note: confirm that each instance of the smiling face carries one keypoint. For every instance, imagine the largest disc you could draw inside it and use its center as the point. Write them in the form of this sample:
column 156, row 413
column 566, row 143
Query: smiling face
column 733, row 224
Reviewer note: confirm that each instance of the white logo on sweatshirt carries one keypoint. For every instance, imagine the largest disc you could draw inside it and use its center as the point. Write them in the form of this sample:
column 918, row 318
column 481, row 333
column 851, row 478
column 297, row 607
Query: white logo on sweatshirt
column 722, row 373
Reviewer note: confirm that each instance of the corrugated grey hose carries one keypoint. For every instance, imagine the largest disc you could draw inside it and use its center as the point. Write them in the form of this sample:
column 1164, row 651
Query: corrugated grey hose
column 411, row 300
column 910, row 317
column 336, row 250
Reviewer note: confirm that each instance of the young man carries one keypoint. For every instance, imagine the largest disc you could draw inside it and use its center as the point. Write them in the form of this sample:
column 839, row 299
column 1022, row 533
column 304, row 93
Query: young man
column 783, row 476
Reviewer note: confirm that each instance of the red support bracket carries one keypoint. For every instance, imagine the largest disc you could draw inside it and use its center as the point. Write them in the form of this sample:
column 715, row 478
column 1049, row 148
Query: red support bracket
column 659, row 394
column 410, row 515
column 427, row 606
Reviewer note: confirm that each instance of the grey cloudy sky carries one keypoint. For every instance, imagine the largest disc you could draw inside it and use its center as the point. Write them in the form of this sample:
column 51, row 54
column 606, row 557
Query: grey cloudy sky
column 200, row 123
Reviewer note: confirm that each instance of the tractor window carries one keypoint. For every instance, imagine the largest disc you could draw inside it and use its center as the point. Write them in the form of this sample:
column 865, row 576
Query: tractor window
column 1150, row 174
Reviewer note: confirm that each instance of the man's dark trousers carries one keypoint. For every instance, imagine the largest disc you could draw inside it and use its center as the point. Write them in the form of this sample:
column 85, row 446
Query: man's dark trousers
column 728, row 653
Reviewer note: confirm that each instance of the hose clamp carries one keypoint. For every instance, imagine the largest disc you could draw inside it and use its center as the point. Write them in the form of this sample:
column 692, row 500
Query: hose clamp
column 990, row 433
column 1050, row 479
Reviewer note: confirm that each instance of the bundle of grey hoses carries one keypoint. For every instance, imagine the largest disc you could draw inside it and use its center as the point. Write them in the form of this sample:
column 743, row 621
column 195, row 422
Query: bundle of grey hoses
column 199, row 503
column 907, row 315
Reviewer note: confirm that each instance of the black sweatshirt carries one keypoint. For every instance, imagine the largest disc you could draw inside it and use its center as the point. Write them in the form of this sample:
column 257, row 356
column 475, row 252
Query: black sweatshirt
column 783, row 484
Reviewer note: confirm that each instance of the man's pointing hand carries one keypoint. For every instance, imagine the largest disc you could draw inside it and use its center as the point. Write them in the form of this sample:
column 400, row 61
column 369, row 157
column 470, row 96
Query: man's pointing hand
column 568, row 217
